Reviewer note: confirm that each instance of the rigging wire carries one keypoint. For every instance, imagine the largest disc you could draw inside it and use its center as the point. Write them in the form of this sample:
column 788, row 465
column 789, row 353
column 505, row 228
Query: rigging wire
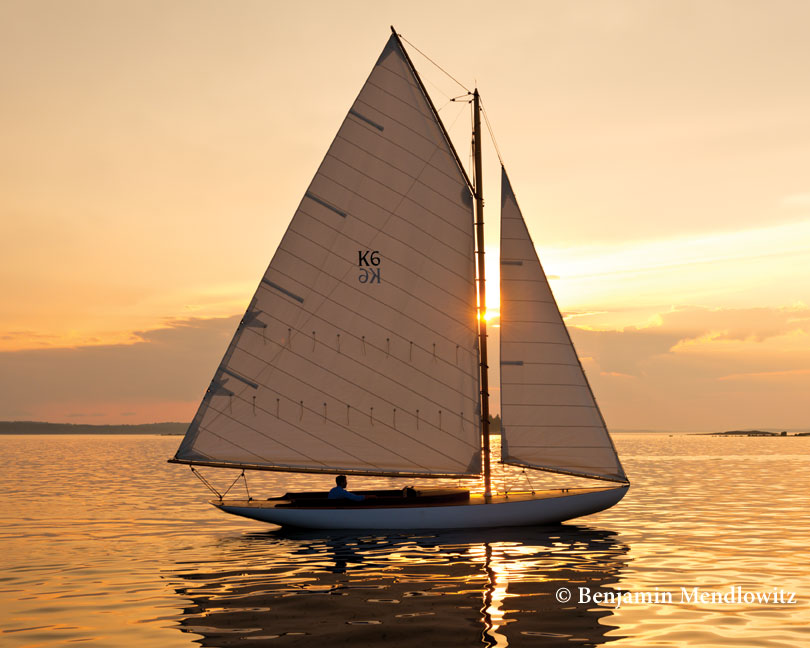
column 491, row 133
column 205, row 481
column 483, row 108
column 434, row 62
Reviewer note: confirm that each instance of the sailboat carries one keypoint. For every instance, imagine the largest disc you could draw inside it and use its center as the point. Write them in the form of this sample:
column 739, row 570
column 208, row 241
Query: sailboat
column 364, row 349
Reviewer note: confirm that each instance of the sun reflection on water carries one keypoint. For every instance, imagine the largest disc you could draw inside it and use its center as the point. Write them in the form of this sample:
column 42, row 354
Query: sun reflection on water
column 103, row 542
column 470, row 588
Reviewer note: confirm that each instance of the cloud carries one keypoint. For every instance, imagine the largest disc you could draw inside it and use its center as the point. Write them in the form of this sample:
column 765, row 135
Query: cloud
column 702, row 332
column 703, row 369
column 768, row 375
column 757, row 324
column 168, row 365
column 695, row 368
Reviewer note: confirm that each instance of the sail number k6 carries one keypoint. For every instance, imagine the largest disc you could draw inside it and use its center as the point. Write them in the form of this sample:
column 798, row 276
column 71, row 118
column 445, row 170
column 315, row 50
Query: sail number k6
column 368, row 261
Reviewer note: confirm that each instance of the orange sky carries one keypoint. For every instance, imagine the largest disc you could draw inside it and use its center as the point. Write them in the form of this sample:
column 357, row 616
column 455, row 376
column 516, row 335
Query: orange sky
column 154, row 152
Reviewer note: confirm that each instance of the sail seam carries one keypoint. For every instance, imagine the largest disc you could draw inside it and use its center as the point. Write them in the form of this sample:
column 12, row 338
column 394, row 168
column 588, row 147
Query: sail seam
column 521, row 243
column 369, row 369
column 372, row 345
column 415, row 179
column 388, row 257
column 340, row 425
column 429, row 200
column 391, row 142
column 426, row 117
column 402, row 196
column 434, row 112
column 392, row 212
column 192, row 433
column 408, row 80
column 343, row 283
column 416, row 133
column 275, row 391
column 448, row 248
column 297, row 427
column 395, row 212
column 346, row 285
column 359, row 386
column 236, row 445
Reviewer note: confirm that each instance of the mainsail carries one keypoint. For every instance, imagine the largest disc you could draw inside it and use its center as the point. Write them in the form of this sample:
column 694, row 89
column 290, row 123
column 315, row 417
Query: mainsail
column 358, row 352
column 550, row 419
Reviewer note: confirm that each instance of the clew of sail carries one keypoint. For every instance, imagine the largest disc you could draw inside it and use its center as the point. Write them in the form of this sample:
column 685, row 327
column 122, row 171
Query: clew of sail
column 550, row 419
column 358, row 352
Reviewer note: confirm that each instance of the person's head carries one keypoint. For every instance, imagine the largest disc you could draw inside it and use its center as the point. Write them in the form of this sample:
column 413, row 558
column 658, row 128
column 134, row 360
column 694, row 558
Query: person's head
column 340, row 480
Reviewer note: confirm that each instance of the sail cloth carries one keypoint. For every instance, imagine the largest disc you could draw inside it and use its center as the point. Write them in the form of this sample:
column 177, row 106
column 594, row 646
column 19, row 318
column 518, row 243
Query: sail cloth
column 549, row 417
column 358, row 352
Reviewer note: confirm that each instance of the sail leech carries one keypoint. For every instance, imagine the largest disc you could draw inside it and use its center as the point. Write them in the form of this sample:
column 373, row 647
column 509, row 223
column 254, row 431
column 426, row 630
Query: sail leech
column 365, row 359
column 549, row 416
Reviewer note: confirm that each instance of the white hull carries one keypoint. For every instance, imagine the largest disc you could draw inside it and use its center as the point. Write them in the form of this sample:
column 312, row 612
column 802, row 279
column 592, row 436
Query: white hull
column 515, row 509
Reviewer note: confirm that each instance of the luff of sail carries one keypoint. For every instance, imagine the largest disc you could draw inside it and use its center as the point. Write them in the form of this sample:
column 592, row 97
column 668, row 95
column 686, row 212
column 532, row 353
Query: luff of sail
column 549, row 416
column 358, row 352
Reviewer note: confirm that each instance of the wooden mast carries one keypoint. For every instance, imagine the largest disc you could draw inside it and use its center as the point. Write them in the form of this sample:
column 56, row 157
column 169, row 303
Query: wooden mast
column 482, row 292
column 478, row 192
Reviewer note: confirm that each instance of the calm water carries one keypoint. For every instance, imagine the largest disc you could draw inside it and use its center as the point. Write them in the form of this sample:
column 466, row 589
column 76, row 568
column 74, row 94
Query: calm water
column 105, row 544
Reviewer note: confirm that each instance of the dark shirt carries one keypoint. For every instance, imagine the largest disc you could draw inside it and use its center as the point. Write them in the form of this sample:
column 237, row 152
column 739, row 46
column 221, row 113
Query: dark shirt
column 341, row 493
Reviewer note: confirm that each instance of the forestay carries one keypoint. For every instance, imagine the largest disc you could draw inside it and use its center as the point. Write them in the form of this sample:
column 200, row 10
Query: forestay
column 358, row 352
column 550, row 419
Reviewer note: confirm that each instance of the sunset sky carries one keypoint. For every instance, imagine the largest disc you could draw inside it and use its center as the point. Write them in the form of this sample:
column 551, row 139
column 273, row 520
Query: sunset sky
column 152, row 154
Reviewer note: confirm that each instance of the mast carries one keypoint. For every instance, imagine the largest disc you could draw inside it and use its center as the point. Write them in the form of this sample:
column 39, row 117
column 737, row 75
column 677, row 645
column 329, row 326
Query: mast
column 482, row 292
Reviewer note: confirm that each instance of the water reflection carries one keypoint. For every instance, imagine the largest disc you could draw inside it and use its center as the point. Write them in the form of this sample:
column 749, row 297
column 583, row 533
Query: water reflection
column 459, row 588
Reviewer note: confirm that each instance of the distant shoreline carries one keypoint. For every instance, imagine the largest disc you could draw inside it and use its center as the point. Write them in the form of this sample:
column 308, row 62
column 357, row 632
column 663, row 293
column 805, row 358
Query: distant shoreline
column 179, row 429
column 755, row 433
column 36, row 427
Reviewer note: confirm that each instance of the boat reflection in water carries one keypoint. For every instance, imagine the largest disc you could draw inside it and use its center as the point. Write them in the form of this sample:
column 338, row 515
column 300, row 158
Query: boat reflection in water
column 496, row 587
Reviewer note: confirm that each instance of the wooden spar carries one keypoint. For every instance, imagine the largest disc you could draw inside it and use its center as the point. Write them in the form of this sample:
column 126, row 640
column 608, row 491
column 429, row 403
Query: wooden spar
column 482, row 293
column 329, row 470
column 478, row 193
